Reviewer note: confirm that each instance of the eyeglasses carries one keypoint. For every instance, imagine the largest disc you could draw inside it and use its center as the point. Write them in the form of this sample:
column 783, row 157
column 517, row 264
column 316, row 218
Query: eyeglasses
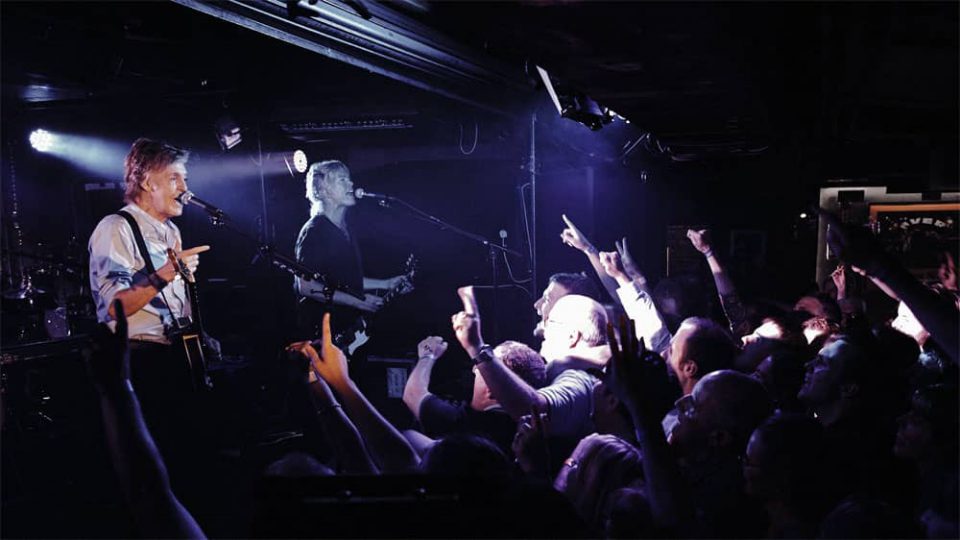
column 571, row 463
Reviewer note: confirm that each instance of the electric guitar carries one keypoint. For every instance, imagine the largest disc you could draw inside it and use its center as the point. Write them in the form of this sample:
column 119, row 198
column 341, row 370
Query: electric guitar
column 354, row 336
column 187, row 337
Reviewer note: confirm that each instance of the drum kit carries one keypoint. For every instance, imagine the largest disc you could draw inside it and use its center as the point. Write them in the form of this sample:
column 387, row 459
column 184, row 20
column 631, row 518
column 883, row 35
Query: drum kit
column 46, row 294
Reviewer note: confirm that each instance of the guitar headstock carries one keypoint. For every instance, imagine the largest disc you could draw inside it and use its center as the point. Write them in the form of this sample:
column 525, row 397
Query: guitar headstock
column 410, row 267
column 409, row 271
column 178, row 265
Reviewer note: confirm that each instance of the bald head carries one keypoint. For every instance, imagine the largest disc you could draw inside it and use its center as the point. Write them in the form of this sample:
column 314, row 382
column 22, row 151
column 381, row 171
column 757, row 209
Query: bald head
column 575, row 322
column 584, row 314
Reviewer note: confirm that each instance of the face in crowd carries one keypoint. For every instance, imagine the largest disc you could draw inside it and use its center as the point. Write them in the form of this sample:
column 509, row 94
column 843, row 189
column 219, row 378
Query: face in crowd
column 544, row 304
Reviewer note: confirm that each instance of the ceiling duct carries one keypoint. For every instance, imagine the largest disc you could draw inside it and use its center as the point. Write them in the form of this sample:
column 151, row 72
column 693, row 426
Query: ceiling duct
column 375, row 37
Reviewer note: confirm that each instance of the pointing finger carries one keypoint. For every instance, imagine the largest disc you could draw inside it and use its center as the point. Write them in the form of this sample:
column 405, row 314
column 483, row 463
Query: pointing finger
column 194, row 251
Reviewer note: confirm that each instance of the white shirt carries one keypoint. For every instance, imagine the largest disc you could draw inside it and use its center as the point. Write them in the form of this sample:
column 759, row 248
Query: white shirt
column 116, row 263
column 640, row 309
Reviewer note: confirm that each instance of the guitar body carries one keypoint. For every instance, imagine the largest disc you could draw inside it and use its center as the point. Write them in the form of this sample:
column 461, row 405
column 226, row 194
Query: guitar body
column 349, row 336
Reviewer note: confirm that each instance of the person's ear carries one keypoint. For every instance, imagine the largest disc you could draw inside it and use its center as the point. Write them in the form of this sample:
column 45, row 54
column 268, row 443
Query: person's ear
column 573, row 338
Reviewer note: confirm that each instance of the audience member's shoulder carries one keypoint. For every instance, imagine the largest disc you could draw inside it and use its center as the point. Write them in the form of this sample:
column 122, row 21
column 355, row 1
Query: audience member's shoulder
column 574, row 376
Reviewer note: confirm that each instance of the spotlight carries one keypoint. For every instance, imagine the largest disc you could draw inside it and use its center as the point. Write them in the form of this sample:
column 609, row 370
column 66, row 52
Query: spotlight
column 41, row 140
column 575, row 105
column 228, row 132
column 300, row 161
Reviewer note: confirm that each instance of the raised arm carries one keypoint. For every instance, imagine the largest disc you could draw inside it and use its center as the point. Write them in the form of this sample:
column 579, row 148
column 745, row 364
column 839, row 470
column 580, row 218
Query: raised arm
column 855, row 247
column 418, row 383
column 136, row 461
column 351, row 454
column 573, row 237
column 389, row 448
column 729, row 299
column 636, row 376
column 513, row 393
column 636, row 302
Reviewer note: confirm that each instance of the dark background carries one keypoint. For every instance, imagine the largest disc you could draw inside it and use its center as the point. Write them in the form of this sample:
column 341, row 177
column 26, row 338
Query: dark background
column 739, row 113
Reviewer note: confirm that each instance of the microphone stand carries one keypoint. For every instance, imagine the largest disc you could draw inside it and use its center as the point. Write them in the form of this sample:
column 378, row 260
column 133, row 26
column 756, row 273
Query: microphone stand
column 493, row 249
column 286, row 263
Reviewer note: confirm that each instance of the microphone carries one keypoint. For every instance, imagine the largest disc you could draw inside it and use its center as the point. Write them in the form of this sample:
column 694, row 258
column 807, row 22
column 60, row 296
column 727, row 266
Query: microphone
column 187, row 197
column 361, row 193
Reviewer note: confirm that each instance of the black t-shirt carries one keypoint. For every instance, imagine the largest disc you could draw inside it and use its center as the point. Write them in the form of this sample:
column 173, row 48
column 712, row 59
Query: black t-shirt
column 439, row 417
column 325, row 248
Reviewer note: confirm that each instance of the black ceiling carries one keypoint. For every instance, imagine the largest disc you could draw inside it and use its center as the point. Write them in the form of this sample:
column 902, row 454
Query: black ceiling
column 844, row 82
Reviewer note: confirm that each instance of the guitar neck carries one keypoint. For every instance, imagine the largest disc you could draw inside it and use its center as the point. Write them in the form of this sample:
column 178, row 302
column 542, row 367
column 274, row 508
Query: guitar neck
column 194, row 305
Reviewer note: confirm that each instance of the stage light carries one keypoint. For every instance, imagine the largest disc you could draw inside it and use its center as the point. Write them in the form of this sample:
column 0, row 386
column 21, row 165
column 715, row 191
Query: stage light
column 94, row 155
column 803, row 215
column 300, row 161
column 575, row 105
column 41, row 140
column 228, row 132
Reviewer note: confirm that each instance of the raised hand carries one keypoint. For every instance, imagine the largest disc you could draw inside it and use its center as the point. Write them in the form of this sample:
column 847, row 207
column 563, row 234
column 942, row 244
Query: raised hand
column 572, row 237
column 636, row 375
column 839, row 277
column 530, row 443
column 854, row 246
column 108, row 357
column 431, row 347
column 469, row 300
column 700, row 240
column 610, row 261
column 629, row 264
column 331, row 363
column 467, row 328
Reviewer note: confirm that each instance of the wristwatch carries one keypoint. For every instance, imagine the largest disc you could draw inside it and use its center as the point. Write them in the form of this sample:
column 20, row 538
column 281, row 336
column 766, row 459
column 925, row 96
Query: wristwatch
column 157, row 281
column 485, row 355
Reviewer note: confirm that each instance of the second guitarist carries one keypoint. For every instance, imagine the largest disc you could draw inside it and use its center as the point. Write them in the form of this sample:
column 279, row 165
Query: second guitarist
column 326, row 245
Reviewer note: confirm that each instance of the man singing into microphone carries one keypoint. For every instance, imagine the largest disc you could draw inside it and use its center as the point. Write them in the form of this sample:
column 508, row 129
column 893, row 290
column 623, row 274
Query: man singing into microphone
column 155, row 302
column 325, row 245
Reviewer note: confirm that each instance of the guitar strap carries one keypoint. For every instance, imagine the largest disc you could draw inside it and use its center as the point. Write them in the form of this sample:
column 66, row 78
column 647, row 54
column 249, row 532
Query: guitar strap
column 138, row 237
column 144, row 254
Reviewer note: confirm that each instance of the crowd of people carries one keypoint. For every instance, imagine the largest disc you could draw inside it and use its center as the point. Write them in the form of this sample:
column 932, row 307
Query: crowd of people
column 641, row 414
column 803, row 422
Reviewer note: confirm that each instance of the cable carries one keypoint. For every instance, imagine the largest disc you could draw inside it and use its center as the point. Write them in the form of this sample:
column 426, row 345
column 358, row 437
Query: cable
column 505, row 286
column 476, row 137
column 506, row 261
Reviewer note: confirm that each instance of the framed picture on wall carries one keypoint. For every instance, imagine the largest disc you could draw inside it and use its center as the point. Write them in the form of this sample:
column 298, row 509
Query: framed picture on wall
column 916, row 233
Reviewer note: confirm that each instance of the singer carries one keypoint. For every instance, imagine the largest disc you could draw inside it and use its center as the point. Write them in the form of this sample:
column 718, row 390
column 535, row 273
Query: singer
column 325, row 245
column 137, row 272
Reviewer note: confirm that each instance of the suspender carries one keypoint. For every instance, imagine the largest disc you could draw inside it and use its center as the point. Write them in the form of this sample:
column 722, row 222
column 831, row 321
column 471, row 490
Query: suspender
column 138, row 237
column 142, row 246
